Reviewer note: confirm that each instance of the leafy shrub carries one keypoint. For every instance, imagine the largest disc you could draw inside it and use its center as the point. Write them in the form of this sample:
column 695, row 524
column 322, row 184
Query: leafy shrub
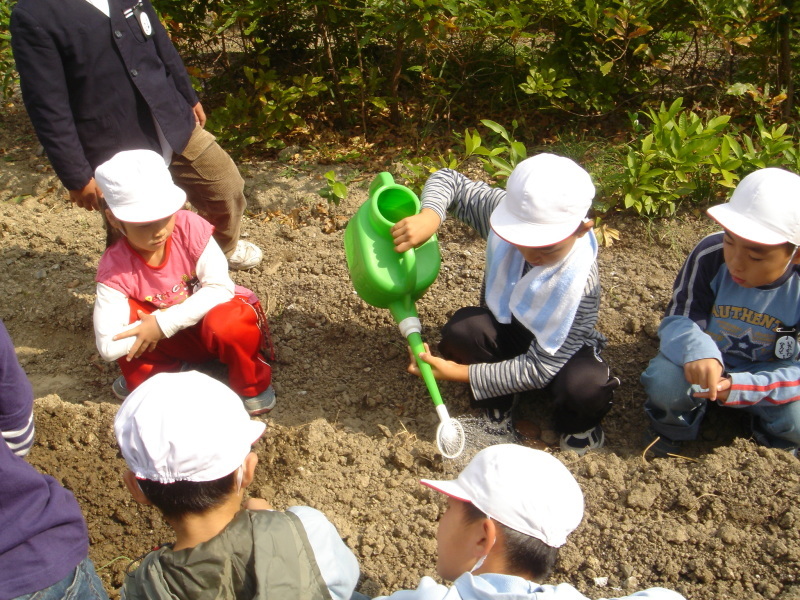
column 8, row 73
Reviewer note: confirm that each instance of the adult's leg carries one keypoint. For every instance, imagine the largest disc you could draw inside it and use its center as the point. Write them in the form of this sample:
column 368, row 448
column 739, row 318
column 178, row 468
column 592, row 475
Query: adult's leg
column 213, row 186
column 230, row 332
column 673, row 411
column 582, row 392
column 473, row 336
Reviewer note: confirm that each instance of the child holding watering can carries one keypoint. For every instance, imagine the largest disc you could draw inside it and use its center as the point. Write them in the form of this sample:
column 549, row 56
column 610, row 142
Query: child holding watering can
column 164, row 295
column 508, row 513
column 535, row 327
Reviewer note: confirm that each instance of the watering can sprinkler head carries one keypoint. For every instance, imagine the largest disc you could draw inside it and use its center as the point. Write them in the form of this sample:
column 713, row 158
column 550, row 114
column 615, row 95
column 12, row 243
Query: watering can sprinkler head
column 450, row 438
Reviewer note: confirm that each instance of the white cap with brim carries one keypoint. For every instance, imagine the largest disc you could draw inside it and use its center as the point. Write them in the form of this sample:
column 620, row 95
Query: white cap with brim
column 547, row 197
column 527, row 490
column 764, row 208
column 138, row 187
column 184, row 427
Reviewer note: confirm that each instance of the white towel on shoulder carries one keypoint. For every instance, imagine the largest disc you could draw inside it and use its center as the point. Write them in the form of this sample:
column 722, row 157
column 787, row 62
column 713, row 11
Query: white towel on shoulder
column 546, row 299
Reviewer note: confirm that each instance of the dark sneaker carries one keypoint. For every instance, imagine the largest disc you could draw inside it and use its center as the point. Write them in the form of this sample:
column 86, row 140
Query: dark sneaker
column 499, row 423
column 120, row 388
column 659, row 445
column 584, row 441
column 261, row 404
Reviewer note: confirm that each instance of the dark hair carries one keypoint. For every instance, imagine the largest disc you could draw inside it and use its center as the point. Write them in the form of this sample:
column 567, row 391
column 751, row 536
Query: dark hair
column 524, row 553
column 187, row 497
column 112, row 233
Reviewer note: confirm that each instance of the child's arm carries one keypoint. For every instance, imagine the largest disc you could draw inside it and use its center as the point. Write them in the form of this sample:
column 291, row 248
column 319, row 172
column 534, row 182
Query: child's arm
column 469, row 201
column 111, row 316
column 443, row 370
column 778, row 386
column 337, row 564
column 684, row 343
column 216, row 287
column 415, row 230
column 683, row 339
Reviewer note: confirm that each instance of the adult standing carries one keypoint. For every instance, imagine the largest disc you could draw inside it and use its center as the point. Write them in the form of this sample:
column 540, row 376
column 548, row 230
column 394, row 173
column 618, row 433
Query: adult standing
column 102, row 76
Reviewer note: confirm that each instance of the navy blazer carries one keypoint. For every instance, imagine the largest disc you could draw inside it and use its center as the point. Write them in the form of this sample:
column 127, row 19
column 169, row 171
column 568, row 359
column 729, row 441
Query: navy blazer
column 92, row 85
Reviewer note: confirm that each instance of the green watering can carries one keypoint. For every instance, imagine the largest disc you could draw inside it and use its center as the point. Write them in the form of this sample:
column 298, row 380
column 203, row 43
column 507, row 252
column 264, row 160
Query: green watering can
column 385, row 278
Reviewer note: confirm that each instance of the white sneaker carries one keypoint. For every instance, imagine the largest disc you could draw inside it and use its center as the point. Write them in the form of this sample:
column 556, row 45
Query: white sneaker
column 246, row 256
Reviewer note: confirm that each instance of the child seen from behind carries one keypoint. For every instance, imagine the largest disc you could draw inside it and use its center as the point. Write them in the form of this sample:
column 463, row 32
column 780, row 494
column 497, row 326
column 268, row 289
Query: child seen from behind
column 164, row 295
column 187, row 442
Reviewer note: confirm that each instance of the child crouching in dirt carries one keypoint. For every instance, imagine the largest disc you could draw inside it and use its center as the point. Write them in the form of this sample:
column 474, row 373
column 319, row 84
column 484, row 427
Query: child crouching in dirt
column 508, row 512
column 187, row 442
column 535, row 327
column 164, row 295
column 730, row 332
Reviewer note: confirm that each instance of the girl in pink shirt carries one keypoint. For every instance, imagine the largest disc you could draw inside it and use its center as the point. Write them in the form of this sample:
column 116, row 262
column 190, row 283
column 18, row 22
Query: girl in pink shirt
column 164, row 295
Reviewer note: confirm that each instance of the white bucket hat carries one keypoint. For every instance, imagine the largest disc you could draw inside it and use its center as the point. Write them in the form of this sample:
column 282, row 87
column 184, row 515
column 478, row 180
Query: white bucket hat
column 527, row 490
column 764, row 208
column 184, row 427
column 547, row 197
column 138, row 187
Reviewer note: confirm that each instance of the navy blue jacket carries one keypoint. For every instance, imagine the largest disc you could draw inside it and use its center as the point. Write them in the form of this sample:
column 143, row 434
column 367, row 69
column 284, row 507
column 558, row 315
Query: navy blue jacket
column 92, row 84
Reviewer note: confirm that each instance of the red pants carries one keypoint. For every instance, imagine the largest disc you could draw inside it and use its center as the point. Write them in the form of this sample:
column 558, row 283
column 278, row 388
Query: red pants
column 229, row 332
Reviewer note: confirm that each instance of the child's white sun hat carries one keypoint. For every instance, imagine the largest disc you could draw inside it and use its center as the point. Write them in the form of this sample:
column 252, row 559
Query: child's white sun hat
column 527, row 490
column 764, row 208
column 184, row 427
column 547, row 197
column 138, row 187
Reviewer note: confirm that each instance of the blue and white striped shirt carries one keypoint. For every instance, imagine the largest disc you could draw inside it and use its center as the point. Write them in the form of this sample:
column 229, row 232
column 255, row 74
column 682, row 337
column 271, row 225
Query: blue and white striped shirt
column 473, row 202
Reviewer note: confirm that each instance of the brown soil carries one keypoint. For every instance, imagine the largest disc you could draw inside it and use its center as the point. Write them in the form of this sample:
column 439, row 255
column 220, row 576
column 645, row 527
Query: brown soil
column 352, row 432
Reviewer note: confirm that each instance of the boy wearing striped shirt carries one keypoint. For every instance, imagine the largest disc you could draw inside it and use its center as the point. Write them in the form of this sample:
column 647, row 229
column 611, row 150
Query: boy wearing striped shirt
column 535, row 327
column 730, row 332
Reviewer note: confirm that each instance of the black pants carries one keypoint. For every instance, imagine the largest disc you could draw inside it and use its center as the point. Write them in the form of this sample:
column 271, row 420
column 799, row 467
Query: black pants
column 582, row 390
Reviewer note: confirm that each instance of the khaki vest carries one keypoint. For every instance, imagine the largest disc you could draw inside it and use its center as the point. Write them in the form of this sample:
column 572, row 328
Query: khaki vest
column 259, row 555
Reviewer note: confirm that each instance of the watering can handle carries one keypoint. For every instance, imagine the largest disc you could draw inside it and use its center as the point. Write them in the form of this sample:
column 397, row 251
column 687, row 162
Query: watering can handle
column 409, row 264
column 381, row 180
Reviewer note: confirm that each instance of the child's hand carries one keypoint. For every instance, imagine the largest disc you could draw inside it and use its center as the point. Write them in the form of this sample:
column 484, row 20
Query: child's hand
column 707, row 373
column 446, row 370
column 415, row 230
column 147, row 333
column 257, row 504
column 723, row 390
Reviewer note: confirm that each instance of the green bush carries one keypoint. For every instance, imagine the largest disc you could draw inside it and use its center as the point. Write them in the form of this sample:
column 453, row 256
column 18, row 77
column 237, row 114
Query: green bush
column 8, row 73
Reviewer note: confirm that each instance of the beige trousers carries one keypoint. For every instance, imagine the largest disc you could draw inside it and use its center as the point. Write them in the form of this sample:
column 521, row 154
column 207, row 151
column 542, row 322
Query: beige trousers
column 213, row 186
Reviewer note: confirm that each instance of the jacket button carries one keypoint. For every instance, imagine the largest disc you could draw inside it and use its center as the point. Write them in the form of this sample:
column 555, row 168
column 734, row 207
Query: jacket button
column 134, row 72
column 117, row 34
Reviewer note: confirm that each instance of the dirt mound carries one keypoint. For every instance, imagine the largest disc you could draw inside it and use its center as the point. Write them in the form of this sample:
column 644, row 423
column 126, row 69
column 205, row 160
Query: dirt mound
column 352, row 432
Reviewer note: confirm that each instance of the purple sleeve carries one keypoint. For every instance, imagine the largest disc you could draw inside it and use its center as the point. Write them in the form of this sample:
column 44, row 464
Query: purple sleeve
column 16, row 399
column 42, row 532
